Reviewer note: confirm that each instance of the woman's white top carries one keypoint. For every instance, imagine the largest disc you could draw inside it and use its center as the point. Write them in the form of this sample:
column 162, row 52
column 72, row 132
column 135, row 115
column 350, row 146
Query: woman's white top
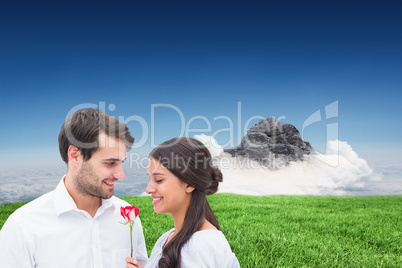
column 206, row 248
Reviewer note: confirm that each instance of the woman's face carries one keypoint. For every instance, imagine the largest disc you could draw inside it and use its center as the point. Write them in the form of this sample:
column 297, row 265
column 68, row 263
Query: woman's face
column 170, row 194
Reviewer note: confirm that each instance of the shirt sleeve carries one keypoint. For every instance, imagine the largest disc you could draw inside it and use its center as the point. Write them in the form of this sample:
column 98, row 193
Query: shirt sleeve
column 16, row 249
column 140, row 250
column 208, row 250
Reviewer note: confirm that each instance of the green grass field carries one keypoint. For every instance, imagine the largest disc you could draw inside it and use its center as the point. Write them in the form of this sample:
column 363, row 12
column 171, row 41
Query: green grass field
column 295, row 231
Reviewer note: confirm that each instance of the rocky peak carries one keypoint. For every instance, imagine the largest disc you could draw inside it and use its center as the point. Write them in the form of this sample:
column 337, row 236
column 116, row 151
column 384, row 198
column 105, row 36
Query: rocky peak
column 272, row 141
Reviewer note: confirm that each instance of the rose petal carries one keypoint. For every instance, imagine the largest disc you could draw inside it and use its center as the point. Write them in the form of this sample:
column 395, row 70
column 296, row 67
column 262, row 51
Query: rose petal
column 129, row 213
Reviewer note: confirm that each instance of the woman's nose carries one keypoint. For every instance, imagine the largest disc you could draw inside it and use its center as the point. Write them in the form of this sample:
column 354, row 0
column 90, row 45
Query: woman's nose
column 150, row 188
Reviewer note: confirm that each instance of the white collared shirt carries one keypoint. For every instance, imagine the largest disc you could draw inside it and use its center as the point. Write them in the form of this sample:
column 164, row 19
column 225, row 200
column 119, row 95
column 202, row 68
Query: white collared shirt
column 52, row 232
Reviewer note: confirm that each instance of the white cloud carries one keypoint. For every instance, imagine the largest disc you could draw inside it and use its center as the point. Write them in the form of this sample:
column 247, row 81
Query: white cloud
column 214, row 148
column 27, row 183
column 338, row 172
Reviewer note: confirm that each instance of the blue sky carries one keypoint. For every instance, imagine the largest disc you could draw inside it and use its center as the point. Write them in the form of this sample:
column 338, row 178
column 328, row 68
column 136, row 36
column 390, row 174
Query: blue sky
column 278, row 60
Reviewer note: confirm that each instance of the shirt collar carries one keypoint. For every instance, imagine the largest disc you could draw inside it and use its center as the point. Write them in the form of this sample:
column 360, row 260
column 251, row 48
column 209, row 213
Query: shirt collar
column 63, row 202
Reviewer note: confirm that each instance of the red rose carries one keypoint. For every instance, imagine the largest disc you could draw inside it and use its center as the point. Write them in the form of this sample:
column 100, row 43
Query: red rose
column 129, row 213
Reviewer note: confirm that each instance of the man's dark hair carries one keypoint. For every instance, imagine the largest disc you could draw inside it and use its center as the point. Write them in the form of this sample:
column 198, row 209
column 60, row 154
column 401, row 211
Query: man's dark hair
column 82, row 130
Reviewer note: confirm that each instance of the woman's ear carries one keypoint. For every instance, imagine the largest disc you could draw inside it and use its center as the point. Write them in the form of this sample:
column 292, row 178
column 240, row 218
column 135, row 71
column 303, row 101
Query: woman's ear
column 189, row 188
column 73, row 155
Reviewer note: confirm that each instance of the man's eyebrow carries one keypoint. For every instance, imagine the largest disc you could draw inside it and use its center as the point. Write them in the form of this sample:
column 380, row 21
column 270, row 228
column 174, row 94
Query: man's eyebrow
column 114, row 159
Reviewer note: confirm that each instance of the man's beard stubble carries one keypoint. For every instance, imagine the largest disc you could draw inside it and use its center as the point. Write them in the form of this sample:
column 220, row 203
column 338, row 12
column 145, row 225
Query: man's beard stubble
column 88, row 183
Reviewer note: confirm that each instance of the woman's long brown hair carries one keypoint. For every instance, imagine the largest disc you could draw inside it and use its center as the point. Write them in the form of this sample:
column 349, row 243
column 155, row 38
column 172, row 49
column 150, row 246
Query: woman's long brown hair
column 190, row 161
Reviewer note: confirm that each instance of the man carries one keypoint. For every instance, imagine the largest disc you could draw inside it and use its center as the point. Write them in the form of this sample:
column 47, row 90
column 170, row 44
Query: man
column 78, row 224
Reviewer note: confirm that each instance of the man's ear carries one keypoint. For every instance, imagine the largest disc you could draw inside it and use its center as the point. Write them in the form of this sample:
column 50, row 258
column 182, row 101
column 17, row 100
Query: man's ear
column 189, row 188
column 74, row 155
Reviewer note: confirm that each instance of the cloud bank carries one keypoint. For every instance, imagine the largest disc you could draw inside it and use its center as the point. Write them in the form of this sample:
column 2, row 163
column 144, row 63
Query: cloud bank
column 28, row 183
column 340, row 171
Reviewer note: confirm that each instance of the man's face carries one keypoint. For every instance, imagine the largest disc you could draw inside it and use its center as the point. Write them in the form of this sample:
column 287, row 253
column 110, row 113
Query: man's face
column 96, row 177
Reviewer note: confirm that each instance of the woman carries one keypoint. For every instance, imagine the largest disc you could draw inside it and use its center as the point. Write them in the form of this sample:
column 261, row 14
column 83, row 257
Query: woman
column 180, row 176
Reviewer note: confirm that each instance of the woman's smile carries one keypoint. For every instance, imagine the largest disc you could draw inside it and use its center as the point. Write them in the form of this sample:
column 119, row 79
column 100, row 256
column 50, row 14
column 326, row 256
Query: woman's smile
column 156, row 200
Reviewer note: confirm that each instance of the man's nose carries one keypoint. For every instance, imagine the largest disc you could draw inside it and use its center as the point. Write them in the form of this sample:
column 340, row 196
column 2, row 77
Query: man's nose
column 119, row 172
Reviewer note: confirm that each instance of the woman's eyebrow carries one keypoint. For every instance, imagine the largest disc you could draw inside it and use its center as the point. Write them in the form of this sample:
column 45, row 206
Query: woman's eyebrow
column 157, row 174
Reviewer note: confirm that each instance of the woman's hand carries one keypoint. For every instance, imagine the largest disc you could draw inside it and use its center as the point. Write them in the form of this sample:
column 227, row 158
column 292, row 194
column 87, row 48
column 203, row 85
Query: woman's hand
column 132, row 263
